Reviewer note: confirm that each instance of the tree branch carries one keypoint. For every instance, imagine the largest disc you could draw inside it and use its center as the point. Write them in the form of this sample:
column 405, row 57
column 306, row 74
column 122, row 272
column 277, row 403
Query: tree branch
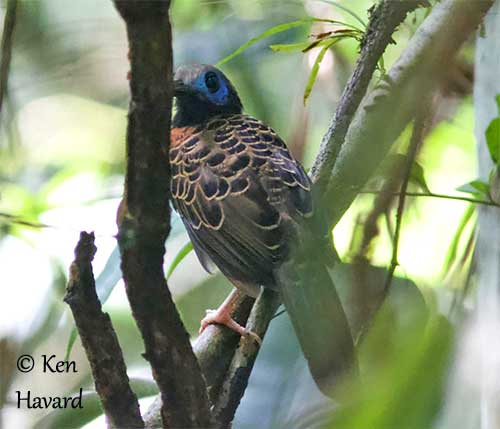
column 237, row 375
column 216, row 349
column 144, row 217
column 441, row 196
column 216, row 346
column 384, row 20
column 99, row 340
column 391, row 105
column 9, row 24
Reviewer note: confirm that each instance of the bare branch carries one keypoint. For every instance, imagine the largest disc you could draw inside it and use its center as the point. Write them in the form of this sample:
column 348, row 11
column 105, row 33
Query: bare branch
column 441, row 196
column 242, row 364
column 384, row 20
column 390, row 107
column 144, row 218
column 215, row 349
column 7, row 40
column 226, row 359
column 216, row 346
column 99, row 340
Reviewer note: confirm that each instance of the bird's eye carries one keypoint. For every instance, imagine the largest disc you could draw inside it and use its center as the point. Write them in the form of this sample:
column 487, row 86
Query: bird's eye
column 212, row 81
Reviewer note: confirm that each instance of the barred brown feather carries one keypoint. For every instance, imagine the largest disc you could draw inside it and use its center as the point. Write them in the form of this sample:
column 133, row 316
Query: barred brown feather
column 237, row 167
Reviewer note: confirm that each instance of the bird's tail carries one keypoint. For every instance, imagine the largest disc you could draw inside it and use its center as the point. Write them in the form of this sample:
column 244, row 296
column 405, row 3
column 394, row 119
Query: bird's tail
column 317, row 315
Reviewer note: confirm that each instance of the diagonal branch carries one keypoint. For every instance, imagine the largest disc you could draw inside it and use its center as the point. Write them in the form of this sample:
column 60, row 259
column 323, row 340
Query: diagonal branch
column 386, row 111
column 214, row 349
column 144, row 218
column 384, row 20
column 99, row 340
column 237, row 375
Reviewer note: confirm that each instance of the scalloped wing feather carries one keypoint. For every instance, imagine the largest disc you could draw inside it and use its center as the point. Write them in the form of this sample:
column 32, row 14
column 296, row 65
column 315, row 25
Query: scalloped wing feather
column 236, row 186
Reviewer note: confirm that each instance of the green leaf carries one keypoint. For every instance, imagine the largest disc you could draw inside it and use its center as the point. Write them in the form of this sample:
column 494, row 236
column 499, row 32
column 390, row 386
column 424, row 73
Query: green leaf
column 290, row 47
column 453, row 250
column 417, row 176
column 280, row 29
column 332, row 39
column 476, row 187
column 405, row 377
column 494, row 185
column 109, row 276
column 181, row 254
column 315, row 69
column 71, row 342
column 493, row 139
column 398, row 162
column 273, row 30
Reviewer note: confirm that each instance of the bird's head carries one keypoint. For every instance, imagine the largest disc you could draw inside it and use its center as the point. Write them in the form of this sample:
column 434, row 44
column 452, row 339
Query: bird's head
column 203, row 91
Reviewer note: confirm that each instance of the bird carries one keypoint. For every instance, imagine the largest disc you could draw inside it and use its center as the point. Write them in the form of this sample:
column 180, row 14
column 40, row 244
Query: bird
column 240, row 194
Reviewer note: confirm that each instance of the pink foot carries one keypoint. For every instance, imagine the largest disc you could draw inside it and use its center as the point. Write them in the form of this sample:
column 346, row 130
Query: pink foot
column 223, row 317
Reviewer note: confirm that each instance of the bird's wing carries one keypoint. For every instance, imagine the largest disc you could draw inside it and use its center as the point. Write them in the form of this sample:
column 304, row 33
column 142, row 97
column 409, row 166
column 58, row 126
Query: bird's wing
column 235, row 184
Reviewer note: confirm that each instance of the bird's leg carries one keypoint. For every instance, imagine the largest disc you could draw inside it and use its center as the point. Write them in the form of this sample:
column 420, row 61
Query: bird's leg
column 222, row 316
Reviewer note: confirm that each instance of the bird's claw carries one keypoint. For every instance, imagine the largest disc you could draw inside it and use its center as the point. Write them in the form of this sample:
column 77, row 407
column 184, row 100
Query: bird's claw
column 217, row 317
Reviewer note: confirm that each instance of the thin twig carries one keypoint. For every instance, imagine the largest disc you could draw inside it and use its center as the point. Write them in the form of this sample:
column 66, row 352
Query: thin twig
column 99, row 340
column 144, row 217
column 384, row 20
column 415, row 142
column 442, row 196
column 7, row 41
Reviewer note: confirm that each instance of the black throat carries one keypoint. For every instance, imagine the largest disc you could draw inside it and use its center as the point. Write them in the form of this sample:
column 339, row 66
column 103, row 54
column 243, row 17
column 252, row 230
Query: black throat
column 193, row 111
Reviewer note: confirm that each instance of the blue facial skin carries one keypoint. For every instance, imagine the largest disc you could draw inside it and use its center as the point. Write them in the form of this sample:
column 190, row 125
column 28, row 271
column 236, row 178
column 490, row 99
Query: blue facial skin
column 219, row 97
column 198, row 101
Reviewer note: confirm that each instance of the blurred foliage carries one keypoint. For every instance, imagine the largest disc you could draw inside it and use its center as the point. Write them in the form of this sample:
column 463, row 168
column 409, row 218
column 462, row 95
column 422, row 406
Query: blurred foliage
column 61, row 171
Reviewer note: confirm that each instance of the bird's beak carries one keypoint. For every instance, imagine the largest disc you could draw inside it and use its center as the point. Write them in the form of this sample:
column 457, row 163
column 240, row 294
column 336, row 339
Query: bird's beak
column 180, row 88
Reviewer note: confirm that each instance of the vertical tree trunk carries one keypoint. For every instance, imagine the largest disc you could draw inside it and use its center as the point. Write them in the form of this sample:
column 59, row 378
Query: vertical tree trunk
column 487, row 86
column 478, row 368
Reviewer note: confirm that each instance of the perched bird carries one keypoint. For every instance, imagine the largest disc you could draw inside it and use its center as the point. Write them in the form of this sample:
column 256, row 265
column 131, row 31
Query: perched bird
column 240, row 194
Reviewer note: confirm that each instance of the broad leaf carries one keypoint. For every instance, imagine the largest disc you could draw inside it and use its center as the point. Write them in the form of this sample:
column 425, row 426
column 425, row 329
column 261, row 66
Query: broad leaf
column 476, row 187
column 493, row 139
